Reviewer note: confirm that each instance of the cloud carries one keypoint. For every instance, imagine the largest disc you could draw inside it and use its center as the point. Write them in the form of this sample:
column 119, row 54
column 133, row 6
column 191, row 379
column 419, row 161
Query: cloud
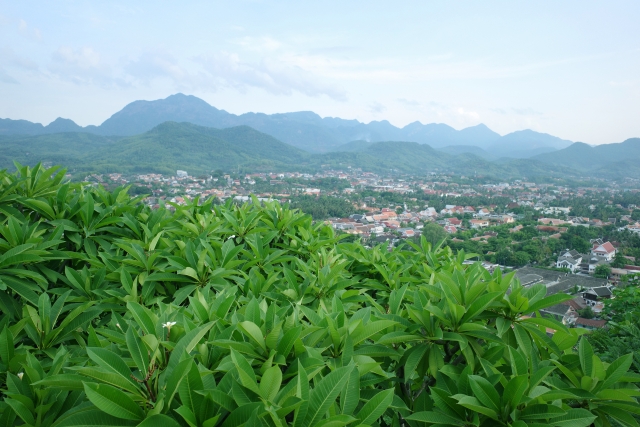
column 276, row 77
column 9, row 59
column 84, row 66
column 160, row 64
column 409, row 102
column 472, row 115
column 377, row 108
column 259, row 44
column 32, row 34
column 526, row 111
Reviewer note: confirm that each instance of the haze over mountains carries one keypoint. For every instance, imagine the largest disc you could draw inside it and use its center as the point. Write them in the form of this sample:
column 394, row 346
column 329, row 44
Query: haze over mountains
column 184, row 132
column 305, row 130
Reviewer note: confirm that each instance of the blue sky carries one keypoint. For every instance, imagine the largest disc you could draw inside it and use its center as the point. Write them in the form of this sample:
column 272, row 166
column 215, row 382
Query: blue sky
column 568, row 68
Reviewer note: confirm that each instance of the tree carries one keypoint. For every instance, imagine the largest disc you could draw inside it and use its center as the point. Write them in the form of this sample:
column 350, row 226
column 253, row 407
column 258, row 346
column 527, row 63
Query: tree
column 625, row 302
column 521, row 258
column 434, row 233
column 603, row 271
column 587, row 313
column 619, row 261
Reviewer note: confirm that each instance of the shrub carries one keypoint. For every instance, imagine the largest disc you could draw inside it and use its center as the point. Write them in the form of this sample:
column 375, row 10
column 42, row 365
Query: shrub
column 115, row 315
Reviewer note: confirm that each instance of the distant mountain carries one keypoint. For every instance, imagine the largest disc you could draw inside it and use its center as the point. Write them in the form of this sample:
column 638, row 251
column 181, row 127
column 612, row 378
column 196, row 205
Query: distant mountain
column 614, row 160
column 527, row 143
column 305, row 130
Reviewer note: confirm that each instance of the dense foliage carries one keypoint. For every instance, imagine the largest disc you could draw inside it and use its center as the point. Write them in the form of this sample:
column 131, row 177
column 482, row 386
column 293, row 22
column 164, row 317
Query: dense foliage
column 200, row 315
column 322, row 207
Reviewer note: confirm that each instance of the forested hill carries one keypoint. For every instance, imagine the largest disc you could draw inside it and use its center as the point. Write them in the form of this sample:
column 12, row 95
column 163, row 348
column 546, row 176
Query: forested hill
column 606, row 159
column 163, row 149
column 198, row 149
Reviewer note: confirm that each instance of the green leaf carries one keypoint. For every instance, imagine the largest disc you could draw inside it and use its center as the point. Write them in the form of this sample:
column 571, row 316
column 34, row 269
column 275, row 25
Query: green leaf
column 270, row 383
column 91, row 417
column 375, row 407
column 515, row 390
column 189, row 386
column 159, row 420
column 143, row 317
column 325, row 393
column 350, row 396
column 62, row 381
column 21, row 410
column 474, row 404
column 6, row 345
column 188, row 343
column 616, row 370
column 253, row 331
column 176, row 376
column 436, row 418
column 138, row 350
column 371, row 329
column 340, row 420
column 110, row 361
column 245, row 371
column 485, row 392
column 113, row 401
column 549, row 301
column 574, row 418
column 585, row 353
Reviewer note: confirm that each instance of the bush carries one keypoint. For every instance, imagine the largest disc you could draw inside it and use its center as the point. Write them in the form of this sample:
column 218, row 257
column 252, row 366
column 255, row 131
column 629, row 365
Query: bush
column 115, row 315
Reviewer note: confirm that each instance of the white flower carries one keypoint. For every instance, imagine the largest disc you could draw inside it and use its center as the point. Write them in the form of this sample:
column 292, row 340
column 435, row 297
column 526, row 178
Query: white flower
column 118, row 325
column 233, row 236
column 20, row 375
column 168, row 325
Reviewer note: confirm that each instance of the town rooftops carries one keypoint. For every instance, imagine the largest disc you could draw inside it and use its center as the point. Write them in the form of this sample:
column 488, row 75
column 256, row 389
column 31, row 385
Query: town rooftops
column 590, row 323
column 605, row 247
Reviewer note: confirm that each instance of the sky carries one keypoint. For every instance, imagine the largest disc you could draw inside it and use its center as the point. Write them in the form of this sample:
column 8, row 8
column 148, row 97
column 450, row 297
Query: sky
column 567, row 68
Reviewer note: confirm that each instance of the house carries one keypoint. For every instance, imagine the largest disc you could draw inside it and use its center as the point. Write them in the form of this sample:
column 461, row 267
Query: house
column 552, row 221
column 569, row 259
column 590, row 324
column 453, row 221
column 478, row 223
column 506, row 219
column 593, row 295
column 605, row 250
column 589, row 265
column 516, row 228
column 451, row 229
column 482, row 213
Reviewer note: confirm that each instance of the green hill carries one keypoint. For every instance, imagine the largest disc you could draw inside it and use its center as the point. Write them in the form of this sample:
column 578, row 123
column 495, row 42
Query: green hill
column 613, row 160
column 197, row 149
column 163, row 149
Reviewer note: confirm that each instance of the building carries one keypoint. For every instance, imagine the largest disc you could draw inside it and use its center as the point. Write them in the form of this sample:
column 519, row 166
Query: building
column 593, row 295
column 181, row 174
column 478, row 223
column 604, row 250
column 570, row 259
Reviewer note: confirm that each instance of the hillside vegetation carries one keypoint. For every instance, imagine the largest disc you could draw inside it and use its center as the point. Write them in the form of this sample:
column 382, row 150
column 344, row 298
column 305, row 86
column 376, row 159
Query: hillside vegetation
column 113, row 314
column 163, row 149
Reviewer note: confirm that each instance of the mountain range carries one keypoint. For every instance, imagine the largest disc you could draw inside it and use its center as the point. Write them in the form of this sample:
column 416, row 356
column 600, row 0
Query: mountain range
column 184, row 132
column 304, row 130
